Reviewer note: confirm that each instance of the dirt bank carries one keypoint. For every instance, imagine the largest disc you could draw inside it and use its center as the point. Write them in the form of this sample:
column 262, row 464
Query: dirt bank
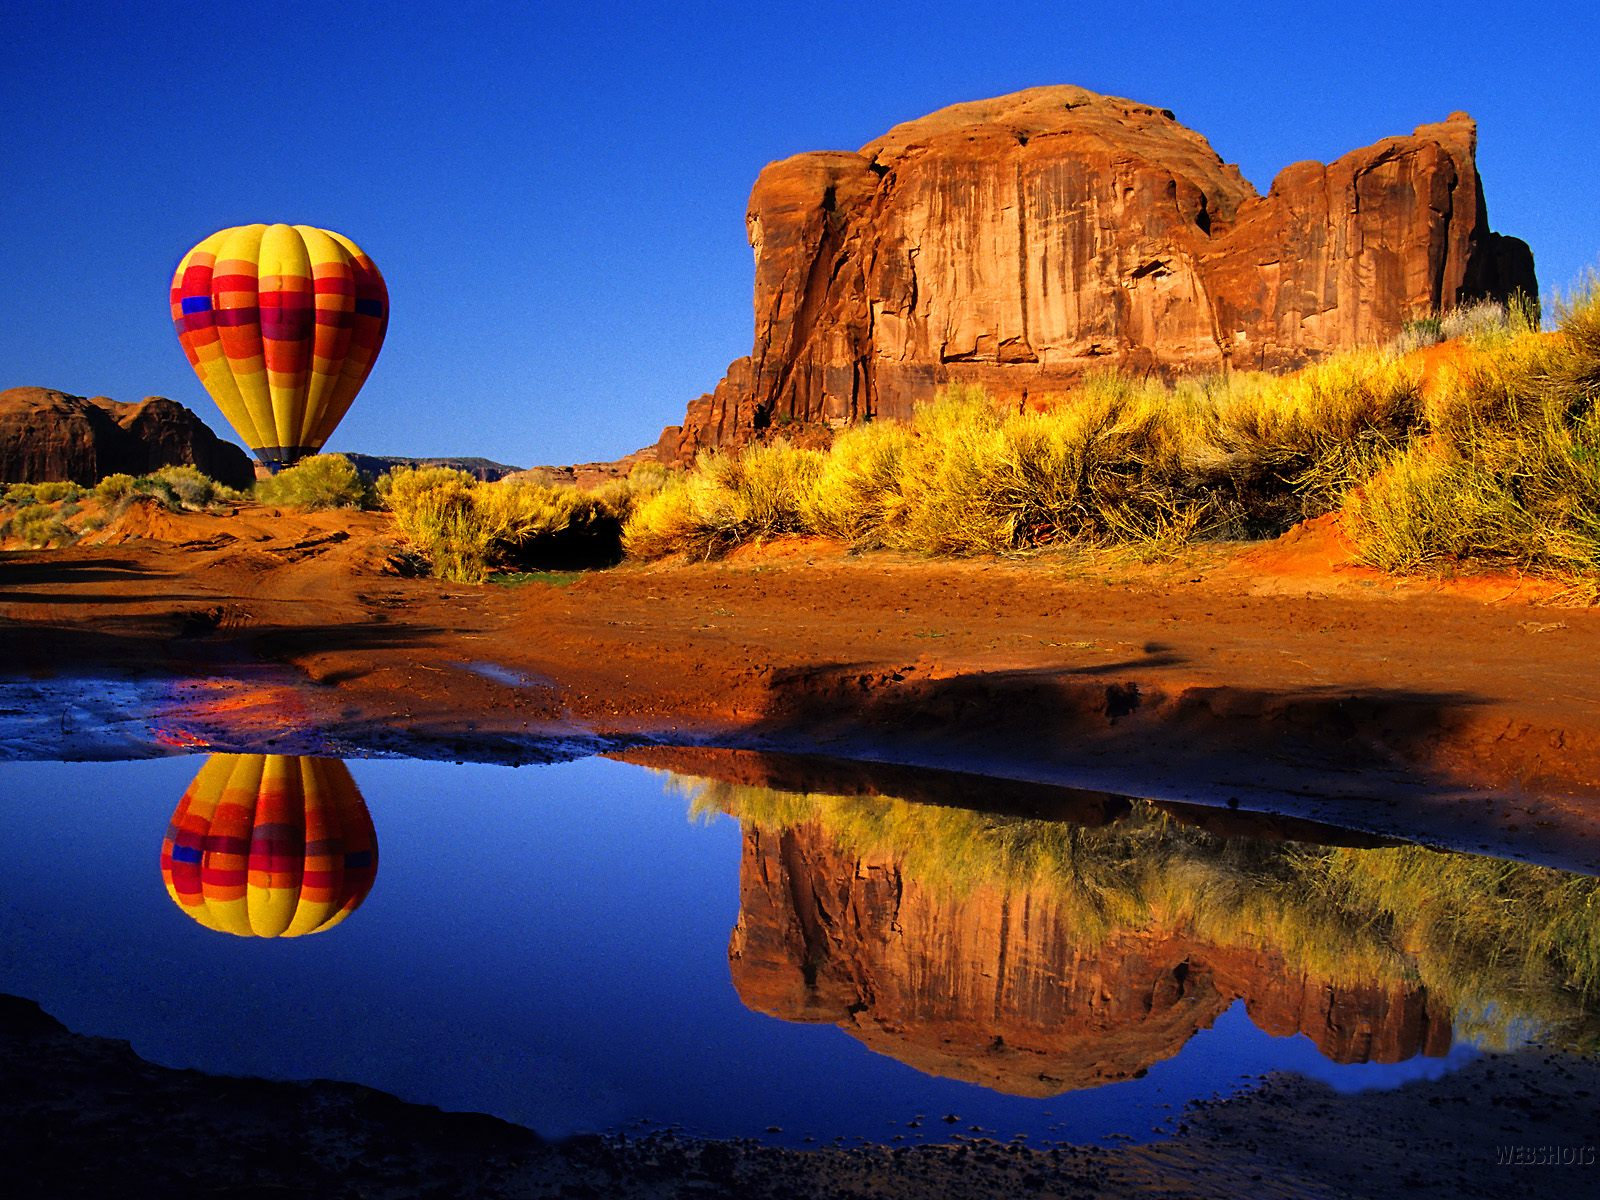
column 1274, row 678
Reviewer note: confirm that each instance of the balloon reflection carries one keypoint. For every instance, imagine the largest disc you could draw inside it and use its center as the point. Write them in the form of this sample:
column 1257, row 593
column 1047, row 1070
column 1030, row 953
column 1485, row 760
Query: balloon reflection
column 270, row 845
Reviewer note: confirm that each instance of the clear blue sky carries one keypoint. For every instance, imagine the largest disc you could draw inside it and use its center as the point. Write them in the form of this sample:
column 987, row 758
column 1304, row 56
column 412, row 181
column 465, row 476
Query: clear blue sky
column 555, row 192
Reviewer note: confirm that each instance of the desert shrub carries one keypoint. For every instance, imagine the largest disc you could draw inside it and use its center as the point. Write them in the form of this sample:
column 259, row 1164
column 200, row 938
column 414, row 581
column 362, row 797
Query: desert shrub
column 184, row 489
column 1419, row 334
column 114, row 488
column 1480, row 321
column 1510, row 471
column 319, row 482
column 17, row 495
column 1277, row 449
column 466, row 529
column 727, row 499
column 438, row 518
column 37, row 526
column 945, row 472
column 56, row 490
column 856, row 496
column 540, row 527
column 399, row 488
column 621, row 496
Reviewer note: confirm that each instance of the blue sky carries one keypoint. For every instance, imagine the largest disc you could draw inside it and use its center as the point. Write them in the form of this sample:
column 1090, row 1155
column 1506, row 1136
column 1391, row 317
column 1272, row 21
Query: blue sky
column 556, row 193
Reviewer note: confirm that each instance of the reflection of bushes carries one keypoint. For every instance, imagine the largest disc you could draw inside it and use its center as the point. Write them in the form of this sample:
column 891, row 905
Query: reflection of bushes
column 1502, row 944
column 1499, row 462
column 318, row 482
column 467, row 529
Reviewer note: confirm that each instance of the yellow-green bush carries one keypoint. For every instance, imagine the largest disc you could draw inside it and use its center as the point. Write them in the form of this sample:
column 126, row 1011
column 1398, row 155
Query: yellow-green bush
column 724, row 501
column 18, row 495
column 1498, row 461
column 1510, row 470
column 181, row 489
column 467, row 529
column 319, row 482
column 114, row 488
column 36, row 525
column 855, row 496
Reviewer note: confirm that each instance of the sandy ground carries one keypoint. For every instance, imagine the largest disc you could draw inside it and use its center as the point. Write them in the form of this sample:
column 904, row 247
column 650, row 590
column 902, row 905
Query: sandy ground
column 1276, row 678
column 85, row 1117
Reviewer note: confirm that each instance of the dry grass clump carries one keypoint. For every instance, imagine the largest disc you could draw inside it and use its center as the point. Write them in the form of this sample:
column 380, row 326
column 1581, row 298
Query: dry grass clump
column 1481, row 321
column 467, row 530
column 319, row 482
column 725, row 500
column 1274, row 450
column 1497, row 462
column 1509, row 470
column 1120, row 461
column 37, row 526
column 178, row 489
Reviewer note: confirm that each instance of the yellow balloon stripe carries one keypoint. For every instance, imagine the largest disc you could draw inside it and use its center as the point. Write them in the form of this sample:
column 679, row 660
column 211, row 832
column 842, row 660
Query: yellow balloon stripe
column 287, row 316
column 235, row 309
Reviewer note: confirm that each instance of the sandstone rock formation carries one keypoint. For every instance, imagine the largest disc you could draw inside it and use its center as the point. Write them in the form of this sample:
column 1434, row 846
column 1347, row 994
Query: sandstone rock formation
column 1020, row 241
column 49, row 435
column 995, row 988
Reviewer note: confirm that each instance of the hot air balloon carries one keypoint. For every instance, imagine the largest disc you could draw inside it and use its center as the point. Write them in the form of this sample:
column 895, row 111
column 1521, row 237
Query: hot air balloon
column 282, row 323
column 268, row 845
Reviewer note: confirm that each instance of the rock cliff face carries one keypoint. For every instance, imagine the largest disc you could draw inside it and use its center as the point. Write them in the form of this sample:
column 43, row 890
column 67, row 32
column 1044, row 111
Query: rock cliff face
column 995, row 988
column 1017, row 242
column 48, row 435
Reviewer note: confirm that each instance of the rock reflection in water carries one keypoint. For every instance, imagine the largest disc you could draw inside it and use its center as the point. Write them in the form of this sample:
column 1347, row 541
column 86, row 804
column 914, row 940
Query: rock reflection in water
column 270, row 845
column 999, row 986
column 1041, row 956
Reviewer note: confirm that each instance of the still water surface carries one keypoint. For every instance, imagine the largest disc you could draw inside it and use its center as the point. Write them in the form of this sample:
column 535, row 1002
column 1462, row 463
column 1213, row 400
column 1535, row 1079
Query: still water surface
column 552, row 945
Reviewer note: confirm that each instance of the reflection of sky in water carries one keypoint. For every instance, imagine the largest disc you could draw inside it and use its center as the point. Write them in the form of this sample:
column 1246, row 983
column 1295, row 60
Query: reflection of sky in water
column 548, row 944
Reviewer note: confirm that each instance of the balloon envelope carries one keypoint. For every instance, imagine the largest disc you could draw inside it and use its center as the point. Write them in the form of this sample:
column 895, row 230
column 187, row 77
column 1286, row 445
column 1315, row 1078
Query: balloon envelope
column 282, row 323
column 267, row 845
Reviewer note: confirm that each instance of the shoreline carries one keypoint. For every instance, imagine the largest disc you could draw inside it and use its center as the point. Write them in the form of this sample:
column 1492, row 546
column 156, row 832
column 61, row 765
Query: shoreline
column 1274, row 679
column 86, row 1114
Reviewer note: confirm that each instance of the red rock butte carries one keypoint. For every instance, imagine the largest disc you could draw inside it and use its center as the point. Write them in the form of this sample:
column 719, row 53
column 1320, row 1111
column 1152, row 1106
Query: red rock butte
column 1018, row 242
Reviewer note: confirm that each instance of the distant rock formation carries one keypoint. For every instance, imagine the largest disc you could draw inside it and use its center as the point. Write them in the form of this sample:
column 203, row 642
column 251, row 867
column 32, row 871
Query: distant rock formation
column 373, row 465
column 1018, row 242
column 994, row 988
column 48, row 435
